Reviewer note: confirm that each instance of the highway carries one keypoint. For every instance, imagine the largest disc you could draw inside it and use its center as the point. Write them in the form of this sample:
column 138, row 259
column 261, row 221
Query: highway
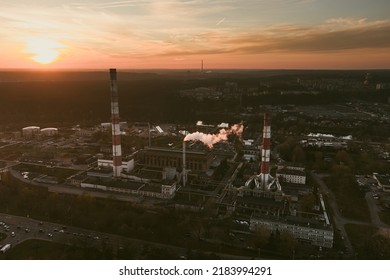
column 25, row 228
column 68, row 235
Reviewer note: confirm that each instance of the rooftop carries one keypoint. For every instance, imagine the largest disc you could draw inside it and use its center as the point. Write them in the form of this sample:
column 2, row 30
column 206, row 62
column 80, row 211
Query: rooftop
column 288, row 171
column 294, row 220
column 176, row 150
column 383, row 179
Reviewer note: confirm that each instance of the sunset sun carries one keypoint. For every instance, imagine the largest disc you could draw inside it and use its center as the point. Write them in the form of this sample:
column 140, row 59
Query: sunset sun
column 43, row 51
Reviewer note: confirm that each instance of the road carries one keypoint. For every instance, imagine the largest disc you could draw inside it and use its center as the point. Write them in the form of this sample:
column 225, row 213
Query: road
column 373, row 208
column 25, row 228
column 79, row 236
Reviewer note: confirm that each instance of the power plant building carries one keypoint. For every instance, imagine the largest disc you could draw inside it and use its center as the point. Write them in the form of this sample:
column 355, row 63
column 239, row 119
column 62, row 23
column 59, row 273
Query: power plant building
column 264, row 204
column 126, row 166
column 156, row 157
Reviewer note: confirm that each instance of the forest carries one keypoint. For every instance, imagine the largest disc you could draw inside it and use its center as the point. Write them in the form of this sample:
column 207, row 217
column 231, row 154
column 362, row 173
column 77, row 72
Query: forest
column 59, row 98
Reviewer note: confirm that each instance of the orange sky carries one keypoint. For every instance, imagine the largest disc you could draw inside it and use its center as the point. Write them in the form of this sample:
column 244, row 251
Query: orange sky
column 140, row 34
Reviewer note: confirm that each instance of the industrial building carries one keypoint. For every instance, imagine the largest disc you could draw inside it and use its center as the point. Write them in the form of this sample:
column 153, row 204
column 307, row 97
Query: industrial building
column 306, row 230
column 126, row 165
column 263, row 202
column 383, row 181
column 291, row 176
column 251, row 150
column 172, row 157
column 120, row 175
column 140, row 189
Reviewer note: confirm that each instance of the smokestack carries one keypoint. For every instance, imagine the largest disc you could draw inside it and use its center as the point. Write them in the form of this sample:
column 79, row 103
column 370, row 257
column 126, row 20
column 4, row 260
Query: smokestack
column 150, row 141
column 116, row 133
column 265, row 152
column 184, row 165
column 201, row 70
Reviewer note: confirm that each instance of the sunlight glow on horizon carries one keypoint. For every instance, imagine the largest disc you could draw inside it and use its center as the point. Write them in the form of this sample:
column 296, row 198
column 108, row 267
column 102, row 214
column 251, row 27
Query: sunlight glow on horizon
column 45, row 51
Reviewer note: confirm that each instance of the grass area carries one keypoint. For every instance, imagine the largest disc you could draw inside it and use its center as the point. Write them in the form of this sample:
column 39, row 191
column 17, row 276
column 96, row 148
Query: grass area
column 368, row 243
column 45, row 250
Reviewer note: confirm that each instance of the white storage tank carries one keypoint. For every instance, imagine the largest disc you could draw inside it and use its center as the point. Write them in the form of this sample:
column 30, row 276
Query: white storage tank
column 49, row 131
column 30, row 131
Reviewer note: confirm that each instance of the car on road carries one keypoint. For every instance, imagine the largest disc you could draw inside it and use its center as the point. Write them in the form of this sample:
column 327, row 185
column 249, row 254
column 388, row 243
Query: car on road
column 5, row 248
column 50, row 235
column 13, row 234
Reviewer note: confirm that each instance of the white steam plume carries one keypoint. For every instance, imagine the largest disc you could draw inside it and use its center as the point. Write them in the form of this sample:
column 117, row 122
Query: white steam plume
column 211, row 139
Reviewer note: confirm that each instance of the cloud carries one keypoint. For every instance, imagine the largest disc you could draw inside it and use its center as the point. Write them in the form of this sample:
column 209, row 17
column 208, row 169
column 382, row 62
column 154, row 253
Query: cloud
column 219, row 22
column 138, row 29
column 333, row 35
column 324, row 38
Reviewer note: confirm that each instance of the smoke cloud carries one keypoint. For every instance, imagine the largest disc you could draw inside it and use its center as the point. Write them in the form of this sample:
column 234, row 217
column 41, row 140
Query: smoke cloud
column 211, row 139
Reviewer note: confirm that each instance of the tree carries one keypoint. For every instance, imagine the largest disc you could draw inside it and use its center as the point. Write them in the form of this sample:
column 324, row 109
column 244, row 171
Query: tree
column 318, row 160
column 344, row 157
column 298, row 154
column 288, row 243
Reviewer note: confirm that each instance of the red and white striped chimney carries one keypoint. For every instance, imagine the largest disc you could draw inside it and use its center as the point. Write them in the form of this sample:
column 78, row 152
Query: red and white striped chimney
column 265, row 152
column 116, row 133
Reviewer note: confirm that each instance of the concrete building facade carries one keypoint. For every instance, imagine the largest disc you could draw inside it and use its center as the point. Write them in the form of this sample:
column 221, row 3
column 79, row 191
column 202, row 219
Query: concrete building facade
column 161, row 157
column 316, row 234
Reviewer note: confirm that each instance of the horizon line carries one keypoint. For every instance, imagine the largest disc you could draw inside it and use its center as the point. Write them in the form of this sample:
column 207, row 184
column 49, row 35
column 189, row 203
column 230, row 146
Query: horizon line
column 205, row 72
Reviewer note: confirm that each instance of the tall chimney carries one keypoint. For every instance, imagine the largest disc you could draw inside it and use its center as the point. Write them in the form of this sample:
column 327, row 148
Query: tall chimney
column 150, row 140
column 265, row 152
column 184, row 176
column 116, row 133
